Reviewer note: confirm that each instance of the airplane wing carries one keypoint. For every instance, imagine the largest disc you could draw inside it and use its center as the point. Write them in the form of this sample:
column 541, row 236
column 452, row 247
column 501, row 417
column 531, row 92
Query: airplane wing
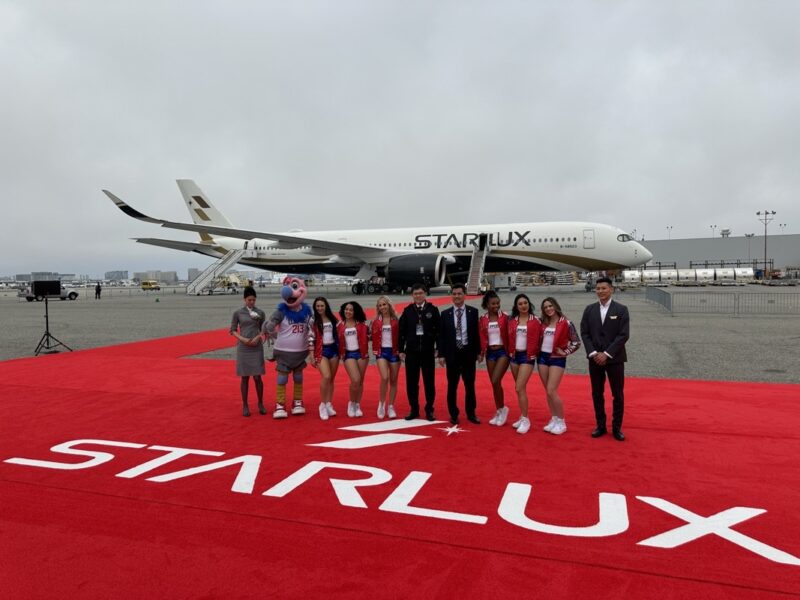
column 177, row 245
column 243, row 234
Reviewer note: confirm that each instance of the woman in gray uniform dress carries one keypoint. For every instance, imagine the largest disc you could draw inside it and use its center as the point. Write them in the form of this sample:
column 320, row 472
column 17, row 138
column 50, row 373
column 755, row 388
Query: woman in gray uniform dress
column 246, row 327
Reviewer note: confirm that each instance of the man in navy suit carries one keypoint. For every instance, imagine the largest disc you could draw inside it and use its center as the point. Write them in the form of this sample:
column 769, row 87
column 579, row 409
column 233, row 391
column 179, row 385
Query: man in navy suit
column 459, row 347
column 605, row 328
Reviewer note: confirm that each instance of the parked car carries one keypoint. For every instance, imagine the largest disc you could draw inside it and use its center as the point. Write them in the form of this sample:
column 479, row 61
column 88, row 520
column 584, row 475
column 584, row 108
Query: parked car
column 64, row 295
column 151, row 284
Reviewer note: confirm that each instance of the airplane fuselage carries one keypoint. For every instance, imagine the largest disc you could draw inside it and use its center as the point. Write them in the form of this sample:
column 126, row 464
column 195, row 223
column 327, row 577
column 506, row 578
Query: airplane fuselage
column 512, row 247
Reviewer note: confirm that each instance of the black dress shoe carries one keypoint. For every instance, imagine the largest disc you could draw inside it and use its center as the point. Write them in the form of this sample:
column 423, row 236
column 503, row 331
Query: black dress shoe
column 429, row 415
column 618, row 435
column 246, row 411
column 473, row 419
column 598, row 432
column 412, row 415
column 454, row 420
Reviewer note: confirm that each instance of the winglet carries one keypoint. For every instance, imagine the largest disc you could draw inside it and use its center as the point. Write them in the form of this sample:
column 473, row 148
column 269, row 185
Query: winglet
column 130, row 211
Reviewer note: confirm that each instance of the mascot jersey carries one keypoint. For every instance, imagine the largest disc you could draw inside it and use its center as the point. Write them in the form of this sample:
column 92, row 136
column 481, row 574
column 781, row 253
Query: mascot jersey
column 292, row 319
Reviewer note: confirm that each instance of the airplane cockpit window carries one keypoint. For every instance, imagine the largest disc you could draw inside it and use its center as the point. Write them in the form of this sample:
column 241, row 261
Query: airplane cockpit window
column 624, row 237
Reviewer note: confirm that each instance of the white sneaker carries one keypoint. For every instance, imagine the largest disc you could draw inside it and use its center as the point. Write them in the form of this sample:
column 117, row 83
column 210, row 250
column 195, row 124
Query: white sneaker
column 280, row 412
column 559, row 428
column 323, row 414
column 381, row 410
column 502, row 416
column 524, row 425
column 329, row 409
column 550, row 424
column 298, row 408
column 357, row 409
column 390, row 412
column 493, row 420
column 351, row 409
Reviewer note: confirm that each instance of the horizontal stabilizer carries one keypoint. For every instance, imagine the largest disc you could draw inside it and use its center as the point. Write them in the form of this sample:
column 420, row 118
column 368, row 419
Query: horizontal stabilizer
column 177, row 245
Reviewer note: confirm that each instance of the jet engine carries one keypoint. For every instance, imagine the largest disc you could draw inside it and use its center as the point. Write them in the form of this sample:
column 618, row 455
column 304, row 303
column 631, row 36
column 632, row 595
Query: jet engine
column 429, row 269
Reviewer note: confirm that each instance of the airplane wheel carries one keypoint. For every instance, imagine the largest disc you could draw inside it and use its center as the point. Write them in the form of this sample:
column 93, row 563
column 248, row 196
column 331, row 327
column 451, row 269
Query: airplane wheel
column 354, row 289
column 371, row 289
column 39, row 298
column 29, row 299
column 385, row 288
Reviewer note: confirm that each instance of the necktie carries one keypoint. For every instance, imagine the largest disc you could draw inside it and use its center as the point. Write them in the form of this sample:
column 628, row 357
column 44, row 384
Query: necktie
column 459, row 342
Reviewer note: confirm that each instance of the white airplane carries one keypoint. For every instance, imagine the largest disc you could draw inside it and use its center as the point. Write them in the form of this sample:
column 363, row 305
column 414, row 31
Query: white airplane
column 402, row 255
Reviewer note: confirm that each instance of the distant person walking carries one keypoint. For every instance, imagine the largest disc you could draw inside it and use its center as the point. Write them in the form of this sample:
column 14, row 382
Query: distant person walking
column 246, row 325
column 97, row 291
column 605, row 329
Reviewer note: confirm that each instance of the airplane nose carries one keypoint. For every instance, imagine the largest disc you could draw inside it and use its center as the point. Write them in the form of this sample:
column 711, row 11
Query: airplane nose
column 644, row 253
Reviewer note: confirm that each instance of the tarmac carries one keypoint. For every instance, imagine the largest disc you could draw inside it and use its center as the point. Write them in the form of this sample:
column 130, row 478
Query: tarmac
column 694, row 346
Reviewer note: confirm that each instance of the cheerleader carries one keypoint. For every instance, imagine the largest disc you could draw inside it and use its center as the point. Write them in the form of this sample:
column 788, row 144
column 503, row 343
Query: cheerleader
column 523, row 346
column 325, row 354
column 384, row 331
column 353, row 332
column 493, row 333
column 559, row 340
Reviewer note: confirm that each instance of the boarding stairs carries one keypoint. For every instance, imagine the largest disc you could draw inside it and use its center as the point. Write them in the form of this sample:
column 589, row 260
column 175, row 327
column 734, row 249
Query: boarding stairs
column 479, row 253
column 214, row 270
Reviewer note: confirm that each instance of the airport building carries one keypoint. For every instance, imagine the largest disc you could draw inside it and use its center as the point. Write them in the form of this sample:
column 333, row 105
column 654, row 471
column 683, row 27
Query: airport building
column 115, row 275
column 783, row 252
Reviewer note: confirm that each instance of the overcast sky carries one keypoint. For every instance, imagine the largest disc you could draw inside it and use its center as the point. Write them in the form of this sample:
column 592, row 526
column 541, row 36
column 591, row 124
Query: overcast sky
column 341, row 114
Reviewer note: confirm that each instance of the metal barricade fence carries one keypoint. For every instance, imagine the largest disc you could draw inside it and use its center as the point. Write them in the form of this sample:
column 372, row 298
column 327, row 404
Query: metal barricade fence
column 725, row 303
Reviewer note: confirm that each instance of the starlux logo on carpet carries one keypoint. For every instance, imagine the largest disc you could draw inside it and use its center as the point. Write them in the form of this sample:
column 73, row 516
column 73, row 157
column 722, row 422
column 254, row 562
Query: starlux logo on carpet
column 612, row 507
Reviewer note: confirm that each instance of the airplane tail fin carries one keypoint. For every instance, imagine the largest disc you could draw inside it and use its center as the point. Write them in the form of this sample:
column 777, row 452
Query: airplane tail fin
column 200, row 207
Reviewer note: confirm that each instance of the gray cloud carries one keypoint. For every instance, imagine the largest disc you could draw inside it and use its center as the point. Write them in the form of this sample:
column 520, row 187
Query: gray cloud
column 320, row 115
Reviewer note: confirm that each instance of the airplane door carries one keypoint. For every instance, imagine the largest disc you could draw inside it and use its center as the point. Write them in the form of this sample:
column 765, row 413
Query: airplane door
column 588, row 239
column 482, row 239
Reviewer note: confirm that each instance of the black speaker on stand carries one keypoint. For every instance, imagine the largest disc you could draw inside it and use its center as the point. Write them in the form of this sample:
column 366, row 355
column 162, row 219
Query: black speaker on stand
column 49, row 342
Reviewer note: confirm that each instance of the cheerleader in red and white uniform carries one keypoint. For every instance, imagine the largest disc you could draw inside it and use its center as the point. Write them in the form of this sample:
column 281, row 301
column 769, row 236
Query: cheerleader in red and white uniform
column 493, row 333
column 524, row 333
column 384, row 331
column 559, row 340
column 353, row 333
column 325, row 354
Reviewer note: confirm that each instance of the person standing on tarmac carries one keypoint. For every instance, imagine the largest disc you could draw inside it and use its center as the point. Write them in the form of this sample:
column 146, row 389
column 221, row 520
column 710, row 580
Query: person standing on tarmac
column 419, row 328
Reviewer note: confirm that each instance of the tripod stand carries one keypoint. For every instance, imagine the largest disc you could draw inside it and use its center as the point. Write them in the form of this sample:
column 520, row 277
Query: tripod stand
column 46, row 343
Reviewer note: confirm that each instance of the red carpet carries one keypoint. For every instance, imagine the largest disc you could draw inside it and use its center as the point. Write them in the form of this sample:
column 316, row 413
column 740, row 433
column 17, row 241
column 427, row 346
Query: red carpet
column 430, row 526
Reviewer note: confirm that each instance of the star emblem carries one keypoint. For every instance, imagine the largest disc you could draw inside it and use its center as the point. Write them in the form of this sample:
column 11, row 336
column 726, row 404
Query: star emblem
column 452, row 429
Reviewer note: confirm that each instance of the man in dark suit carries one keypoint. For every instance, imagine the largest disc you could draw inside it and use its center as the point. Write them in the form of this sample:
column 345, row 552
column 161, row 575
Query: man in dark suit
column 417, row 333
column 458, row 347
column 605, row 328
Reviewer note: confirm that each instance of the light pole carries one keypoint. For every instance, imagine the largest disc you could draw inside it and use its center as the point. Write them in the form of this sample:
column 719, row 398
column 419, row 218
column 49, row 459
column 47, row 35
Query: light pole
column 713, row 229
column 669, row 232
column 766, row 217
column 749, row 237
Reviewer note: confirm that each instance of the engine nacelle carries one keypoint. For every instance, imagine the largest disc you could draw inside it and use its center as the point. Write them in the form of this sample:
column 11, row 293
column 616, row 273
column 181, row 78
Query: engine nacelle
column 429, row 269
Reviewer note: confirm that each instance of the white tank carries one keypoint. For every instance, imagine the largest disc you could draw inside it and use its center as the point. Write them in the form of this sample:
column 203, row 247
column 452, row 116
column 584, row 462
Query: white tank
column 650, row 276
column 725, row 274
column 743, row 273
column 705, row 274
column 632, row 276
column 687, row 275
column 669, row 275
